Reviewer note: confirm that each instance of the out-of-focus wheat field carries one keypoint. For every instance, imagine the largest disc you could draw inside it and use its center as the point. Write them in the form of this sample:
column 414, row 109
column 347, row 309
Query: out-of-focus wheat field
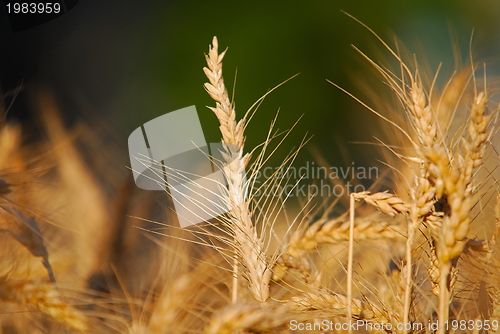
column 394, row 101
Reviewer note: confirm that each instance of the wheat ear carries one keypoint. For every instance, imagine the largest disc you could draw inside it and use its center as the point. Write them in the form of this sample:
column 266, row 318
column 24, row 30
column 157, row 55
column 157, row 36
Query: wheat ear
column 248, row 244
column 386, row 202
column 336, row 231
column 458, row 190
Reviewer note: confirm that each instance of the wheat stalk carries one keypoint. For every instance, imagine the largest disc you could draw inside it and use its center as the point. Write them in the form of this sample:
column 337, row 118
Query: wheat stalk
column 248, row 244
column 458, row 191
column 440, row 179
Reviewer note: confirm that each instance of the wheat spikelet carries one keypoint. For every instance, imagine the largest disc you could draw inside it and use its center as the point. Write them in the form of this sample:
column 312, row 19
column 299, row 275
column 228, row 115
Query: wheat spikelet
column 429, row 182
column 479, row 133
column 249, row 245
column 336, row 231
column 386, row 202
column 432, row 159
column 458, row 191
column 44, row 297
column 432, row 154
column 434, row 271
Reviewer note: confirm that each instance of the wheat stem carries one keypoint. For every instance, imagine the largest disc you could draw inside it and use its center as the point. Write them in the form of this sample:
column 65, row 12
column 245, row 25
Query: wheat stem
column 444, row 297
column 350, row 260
column 234, row 296
column 408, row 268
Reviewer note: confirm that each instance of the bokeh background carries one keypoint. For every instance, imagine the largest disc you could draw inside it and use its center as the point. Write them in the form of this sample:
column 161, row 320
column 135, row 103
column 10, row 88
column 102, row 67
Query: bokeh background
column 126, row 62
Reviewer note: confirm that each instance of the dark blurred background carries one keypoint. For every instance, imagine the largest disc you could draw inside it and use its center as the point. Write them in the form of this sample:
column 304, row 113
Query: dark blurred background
column 127, row 62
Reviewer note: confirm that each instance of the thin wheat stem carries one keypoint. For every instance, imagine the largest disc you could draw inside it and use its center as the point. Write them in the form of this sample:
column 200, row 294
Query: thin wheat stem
column 234, row 297
column 444, row 297
column 407, row 295
column 349, row 261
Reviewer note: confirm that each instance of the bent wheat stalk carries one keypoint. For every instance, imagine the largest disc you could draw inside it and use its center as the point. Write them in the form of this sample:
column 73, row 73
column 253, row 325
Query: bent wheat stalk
column 249, row 247
column 336, row 231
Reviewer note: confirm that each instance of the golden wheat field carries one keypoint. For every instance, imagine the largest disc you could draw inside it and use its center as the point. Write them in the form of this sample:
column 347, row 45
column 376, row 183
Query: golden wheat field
column 83, row 250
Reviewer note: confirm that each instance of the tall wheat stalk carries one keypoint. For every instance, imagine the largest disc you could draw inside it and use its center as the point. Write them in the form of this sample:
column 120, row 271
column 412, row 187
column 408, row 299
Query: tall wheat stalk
column 249, row 247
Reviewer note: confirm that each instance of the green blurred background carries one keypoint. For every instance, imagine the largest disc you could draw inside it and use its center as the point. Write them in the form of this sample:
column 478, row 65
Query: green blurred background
column 130, row 62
